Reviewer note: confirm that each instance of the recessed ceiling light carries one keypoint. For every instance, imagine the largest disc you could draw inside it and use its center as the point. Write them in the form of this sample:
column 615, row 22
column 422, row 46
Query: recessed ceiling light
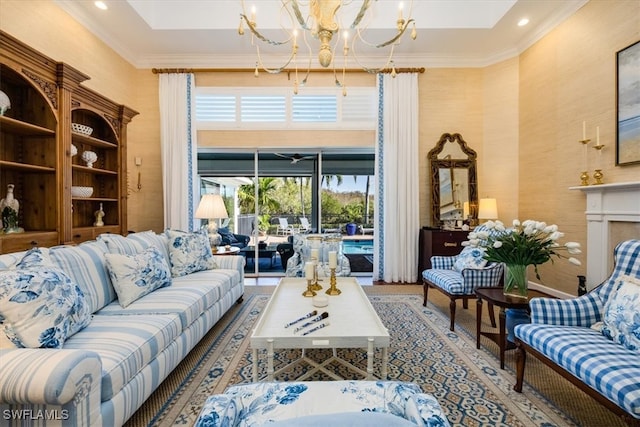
column 101, row 5
column 523, row 22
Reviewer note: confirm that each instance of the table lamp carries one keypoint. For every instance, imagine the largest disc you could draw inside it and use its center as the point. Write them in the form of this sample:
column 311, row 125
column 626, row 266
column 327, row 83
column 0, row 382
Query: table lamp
column 212, row 208
column 488, row 209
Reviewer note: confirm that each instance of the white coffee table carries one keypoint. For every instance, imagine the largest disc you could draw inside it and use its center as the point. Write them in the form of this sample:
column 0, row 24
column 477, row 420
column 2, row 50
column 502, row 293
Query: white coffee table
column 353, row 323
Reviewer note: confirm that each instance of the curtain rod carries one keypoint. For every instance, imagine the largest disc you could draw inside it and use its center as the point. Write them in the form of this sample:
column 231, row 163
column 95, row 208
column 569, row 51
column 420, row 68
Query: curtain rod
column 250, row 70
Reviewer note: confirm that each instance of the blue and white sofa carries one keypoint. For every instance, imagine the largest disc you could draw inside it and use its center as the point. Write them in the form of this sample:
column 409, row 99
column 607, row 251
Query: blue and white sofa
column 119, row 314
column 323, row 403
column 592, row 340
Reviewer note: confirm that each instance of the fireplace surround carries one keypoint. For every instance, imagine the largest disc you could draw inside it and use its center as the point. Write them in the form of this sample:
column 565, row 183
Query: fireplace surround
column 613, row 215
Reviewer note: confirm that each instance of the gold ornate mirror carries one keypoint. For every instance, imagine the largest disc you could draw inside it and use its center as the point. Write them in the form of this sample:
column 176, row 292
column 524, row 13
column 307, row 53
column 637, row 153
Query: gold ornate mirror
column 454, row 190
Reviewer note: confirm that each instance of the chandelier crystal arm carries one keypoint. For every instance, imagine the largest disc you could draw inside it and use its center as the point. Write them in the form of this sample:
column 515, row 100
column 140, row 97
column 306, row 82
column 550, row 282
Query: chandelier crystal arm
column 390, row 41
column 256, row 33
column 298, row 15
column 361, row 13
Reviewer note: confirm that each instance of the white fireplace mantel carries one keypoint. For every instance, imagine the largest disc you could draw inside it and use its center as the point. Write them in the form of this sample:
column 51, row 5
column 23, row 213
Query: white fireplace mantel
column 606, row 203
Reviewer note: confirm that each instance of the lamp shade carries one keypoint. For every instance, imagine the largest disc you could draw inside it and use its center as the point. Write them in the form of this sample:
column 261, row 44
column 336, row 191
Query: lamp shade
column 488, row 209
column 211, row 207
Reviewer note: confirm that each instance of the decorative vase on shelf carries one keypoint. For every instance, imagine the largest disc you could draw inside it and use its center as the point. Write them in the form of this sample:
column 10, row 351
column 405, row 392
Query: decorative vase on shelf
column 90, row 158
column 99, row 214
column 74, row 150
column 9, row 207
column 515, row 281
column 5, row 103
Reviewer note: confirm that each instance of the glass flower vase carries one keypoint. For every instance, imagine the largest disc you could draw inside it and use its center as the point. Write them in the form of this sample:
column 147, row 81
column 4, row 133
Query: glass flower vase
column 515, row 281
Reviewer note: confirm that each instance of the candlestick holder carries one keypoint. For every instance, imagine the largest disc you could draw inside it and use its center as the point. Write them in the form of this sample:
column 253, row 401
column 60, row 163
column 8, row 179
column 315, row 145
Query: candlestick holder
column 315, row 286
column 333, row 290
column 598, row 176
column 584, row 176
column 309, row 292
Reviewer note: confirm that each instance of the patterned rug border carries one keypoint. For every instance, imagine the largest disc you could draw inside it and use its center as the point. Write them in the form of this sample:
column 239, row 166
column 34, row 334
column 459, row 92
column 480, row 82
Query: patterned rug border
column 209, row 363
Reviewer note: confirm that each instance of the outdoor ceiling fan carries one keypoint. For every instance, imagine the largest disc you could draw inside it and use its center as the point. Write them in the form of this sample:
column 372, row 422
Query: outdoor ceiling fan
column 294, row 158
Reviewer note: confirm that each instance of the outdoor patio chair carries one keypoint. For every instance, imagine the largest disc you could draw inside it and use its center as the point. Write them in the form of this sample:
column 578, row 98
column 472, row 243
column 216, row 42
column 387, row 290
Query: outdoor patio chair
column 284, row 228
column 305, row 227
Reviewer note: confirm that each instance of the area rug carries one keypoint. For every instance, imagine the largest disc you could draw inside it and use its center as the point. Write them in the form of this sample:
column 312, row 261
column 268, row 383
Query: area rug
column 467, row 382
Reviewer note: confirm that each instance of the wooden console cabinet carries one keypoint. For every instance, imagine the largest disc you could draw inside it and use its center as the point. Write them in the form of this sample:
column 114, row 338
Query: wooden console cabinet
column 35, row 151
column 438, row 242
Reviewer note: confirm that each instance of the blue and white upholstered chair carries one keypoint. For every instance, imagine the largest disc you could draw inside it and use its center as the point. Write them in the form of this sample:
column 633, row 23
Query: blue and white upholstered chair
column 592, row 340
column 459, row 276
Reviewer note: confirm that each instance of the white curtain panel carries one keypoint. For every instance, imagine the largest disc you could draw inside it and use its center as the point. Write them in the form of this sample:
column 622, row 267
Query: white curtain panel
column 397, row 173
column 178, row 145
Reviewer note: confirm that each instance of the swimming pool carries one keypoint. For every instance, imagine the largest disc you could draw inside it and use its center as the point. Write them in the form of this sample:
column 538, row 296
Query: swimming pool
column 357, row 246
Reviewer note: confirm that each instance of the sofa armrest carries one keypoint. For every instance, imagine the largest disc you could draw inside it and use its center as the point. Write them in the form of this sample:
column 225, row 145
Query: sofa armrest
column 231, row 262
column 581, row 311
column 48, row 376
column 442, row 262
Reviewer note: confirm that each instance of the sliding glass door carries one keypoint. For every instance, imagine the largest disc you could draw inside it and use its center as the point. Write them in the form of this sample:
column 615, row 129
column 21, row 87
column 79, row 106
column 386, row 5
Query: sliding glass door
column 272, row 195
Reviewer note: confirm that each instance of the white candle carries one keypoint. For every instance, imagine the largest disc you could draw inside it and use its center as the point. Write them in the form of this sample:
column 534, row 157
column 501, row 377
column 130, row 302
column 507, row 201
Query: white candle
column 308, row 270
column 584, row 130
column 333, row 259
column 314, row 254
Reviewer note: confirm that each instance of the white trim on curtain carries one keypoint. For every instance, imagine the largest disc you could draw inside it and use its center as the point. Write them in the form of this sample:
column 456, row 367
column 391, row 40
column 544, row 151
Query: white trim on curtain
column 178, row 149
column 396, row 259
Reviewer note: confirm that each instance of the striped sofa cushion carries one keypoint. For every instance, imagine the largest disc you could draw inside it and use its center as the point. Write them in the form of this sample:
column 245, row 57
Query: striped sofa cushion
column 609, row 368
column 85, row 265
column 118, row 244
column 150, row 238
column 188, row 297
column 125, row 345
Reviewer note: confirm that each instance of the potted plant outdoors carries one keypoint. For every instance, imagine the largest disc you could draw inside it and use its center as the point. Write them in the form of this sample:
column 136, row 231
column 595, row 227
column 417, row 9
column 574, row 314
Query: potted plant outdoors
column 353, row 212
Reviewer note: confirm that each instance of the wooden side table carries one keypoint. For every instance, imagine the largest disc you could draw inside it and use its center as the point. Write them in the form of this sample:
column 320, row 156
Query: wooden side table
column 495, row 296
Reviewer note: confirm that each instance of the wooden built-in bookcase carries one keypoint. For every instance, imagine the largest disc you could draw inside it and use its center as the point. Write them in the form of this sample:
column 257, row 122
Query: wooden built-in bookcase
column 35, row 151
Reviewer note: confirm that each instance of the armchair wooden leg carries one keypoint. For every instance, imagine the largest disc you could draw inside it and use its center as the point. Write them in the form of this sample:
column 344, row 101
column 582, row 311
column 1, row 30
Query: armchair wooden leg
column 426, row 292
column 452, row 311
column 521, row 358
column 465, row 303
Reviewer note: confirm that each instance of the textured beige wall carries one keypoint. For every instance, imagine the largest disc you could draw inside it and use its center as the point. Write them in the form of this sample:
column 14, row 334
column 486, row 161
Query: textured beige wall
column 567, row 77
column 450, row 101
column 45, row 27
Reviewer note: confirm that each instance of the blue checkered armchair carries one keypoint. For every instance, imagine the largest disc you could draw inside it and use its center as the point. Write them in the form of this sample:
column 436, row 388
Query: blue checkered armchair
column 459, row 280
column 565, row 335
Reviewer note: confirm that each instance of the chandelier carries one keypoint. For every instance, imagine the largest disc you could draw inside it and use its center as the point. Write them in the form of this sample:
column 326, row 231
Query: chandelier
column 323, row 22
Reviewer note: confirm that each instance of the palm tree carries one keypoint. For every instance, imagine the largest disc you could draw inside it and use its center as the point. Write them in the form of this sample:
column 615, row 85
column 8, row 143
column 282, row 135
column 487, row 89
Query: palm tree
column 266, row 202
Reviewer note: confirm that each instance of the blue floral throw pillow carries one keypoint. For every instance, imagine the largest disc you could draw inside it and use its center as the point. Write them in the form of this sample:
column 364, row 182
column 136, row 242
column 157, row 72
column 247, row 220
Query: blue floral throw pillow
column 134, row 276
column 470, row 258
column 189, row 252
column 40, row 307
column 622, row 314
